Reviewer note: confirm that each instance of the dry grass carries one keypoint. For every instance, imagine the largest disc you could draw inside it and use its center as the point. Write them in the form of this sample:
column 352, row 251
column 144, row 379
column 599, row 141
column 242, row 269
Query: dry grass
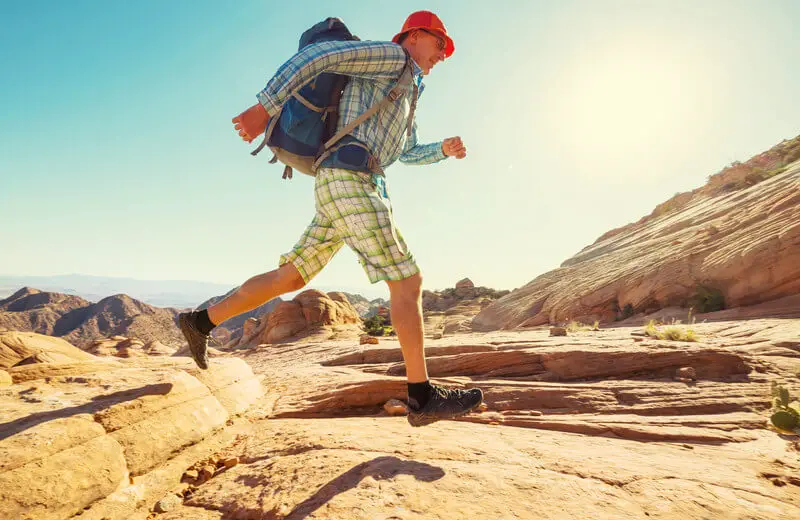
column 576, row 326
column 672, row 332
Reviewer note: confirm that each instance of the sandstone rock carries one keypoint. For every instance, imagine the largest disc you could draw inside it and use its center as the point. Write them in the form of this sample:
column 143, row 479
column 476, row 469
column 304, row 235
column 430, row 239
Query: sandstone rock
column 519, row 474
column 36, row 348
column 368, row 340
column 5, row 378
column 230, row 462
column 558, row 331
column 75, row 463
column 249, row 326
column 688, row 373
column 285, row 321
column 465, row 283
column 184, row 352
column 76, row 433
column 320, row 309
column 156, row 348
column 190, row 476
column 670, row 259
column 309, row 310
column 205, row 474
column 168, row 503
column 120, row 346
column 395, row 407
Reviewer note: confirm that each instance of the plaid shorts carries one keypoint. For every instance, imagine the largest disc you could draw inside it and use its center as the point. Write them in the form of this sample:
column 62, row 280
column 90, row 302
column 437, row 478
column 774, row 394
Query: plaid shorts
column 352, row 209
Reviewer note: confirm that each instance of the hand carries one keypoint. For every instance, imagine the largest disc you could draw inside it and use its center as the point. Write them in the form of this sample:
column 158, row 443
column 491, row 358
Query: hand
column 251, row 123
column 453, row 147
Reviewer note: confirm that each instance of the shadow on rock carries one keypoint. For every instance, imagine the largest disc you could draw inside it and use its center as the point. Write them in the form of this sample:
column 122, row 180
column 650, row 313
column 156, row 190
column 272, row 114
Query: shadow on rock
column 380, row 468
column 97, row 403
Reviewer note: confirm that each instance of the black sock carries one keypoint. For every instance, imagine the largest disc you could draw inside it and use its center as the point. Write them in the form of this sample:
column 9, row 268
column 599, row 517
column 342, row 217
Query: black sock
column 420, row 392
column 203, row 322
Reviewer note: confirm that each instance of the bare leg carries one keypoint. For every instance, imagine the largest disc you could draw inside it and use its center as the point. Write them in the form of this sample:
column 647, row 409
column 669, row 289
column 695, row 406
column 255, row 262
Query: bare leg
column 406, row 310
column 256, row 291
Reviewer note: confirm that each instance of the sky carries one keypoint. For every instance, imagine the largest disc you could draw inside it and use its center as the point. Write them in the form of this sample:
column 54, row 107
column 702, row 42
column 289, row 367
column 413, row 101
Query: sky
column 118, row 157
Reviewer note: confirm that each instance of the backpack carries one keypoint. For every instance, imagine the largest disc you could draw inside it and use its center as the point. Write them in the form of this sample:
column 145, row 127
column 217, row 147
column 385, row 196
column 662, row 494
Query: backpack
column 303, row 134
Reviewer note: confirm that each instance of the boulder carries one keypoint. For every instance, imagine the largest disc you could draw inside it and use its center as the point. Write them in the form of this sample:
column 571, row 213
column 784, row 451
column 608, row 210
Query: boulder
column 29, row 347
column 308, row 311
column 465, row 283
column 75, row 433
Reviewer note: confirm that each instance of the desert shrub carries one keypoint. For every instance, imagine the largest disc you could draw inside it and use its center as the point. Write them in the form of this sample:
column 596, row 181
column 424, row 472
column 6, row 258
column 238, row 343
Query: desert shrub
column 374, row 325
column 785, row 413
column 707, row 299
column 577, row 326
column 673, row 332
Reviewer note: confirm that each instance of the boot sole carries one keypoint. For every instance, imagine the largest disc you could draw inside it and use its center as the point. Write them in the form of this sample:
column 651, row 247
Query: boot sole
column 186, row 334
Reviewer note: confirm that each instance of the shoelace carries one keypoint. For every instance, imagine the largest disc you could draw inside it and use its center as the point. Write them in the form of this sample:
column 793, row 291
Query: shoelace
column 448, row 393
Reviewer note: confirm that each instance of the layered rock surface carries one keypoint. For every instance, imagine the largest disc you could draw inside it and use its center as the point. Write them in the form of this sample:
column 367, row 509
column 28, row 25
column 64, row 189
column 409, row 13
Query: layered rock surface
column 734, row 238
column 603, row 414
column 107, row 434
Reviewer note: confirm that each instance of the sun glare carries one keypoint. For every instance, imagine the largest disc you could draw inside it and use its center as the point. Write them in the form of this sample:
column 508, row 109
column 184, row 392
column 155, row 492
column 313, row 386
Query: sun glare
column 624, row 96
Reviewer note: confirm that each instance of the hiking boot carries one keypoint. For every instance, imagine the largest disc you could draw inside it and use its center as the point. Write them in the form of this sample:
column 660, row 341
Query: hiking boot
column 444, row 403
column 198, row 342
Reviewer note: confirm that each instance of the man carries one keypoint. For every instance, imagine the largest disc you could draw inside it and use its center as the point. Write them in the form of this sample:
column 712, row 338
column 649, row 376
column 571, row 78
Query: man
column 352, row 204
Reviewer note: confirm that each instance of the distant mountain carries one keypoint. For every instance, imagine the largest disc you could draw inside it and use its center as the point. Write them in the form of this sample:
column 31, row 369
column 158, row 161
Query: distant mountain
column 366, row 308
column 80, row 322
column 180, row 294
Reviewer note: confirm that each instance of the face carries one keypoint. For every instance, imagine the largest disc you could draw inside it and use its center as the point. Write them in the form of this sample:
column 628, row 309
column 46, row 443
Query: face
column 427, row 49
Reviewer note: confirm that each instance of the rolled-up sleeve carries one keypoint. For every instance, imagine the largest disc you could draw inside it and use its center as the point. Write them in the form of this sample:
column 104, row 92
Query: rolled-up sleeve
column 419, row 154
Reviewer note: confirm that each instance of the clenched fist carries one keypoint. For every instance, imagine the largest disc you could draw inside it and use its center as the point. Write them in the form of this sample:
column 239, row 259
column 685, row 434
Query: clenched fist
column 252, row 122
column 453, row 147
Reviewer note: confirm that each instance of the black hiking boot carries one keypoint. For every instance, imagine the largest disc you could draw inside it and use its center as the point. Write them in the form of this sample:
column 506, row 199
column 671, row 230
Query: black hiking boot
column 198, row 342
column 444, row 403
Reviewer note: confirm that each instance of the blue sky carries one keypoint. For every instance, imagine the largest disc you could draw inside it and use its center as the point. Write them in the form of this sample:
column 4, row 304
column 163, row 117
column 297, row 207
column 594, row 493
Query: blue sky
column 117, row 156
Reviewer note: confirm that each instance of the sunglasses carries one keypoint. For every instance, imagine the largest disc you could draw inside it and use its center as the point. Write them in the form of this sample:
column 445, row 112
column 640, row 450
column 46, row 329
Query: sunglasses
column 440, row 43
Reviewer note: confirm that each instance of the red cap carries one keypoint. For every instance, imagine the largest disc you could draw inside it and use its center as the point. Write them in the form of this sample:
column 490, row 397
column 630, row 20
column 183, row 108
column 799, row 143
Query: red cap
column 430, row 22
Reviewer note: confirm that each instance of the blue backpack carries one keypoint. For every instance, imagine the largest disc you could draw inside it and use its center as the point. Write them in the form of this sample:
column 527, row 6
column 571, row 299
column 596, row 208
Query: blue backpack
column 304, row 132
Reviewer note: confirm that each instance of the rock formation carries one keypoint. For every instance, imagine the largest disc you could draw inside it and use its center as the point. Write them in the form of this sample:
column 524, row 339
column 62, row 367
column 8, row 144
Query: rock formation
column 634, row 429
column 120, row 346
column 735, row 242
column 309, row 312
column 99, row 437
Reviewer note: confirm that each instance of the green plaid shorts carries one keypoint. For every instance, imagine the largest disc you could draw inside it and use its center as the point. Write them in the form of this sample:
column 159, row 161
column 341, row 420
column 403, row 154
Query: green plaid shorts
column 353, row 208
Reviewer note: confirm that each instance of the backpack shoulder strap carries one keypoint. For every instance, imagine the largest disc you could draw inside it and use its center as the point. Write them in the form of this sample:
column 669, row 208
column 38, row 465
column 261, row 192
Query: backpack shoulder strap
column 406, row 78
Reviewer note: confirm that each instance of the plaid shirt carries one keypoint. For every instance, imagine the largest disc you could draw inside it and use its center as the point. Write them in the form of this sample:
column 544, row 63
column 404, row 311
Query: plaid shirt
column 374, row 67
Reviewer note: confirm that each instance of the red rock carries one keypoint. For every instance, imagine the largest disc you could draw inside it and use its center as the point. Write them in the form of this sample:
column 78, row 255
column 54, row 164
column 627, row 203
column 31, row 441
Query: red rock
column 395, row 407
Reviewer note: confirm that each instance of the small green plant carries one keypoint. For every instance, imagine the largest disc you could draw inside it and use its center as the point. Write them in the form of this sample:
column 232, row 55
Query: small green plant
column 627, row 311
column 707, row 299
column 785, row 412
column 673, row 332
column 376, row 326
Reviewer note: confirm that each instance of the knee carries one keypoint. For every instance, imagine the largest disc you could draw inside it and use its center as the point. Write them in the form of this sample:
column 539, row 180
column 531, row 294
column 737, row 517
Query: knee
column 291, row 278
column 408, row 288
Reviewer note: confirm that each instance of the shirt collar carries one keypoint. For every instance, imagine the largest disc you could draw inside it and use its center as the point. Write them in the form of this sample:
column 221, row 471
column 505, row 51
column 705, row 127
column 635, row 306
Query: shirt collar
column 417, row 75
